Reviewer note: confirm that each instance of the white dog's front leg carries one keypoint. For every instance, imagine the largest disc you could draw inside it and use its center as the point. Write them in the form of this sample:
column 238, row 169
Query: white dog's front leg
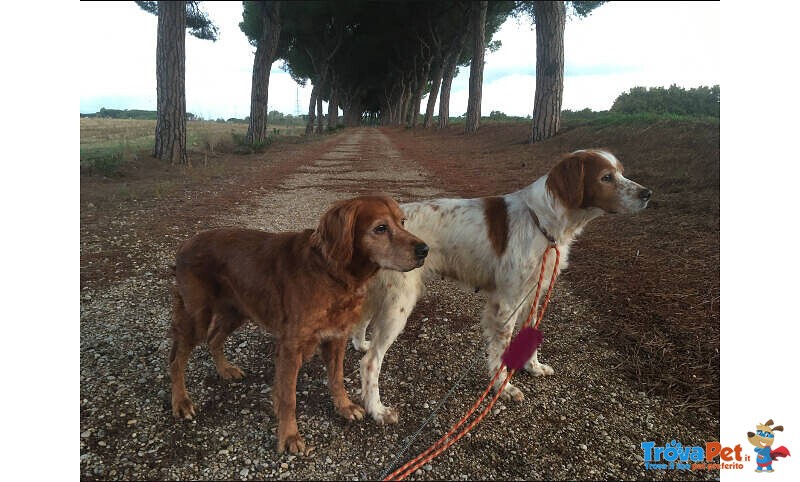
column 388, row 322
column 498, row 323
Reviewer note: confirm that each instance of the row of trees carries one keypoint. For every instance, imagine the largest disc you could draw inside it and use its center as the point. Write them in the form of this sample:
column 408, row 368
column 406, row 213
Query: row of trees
column 673, row 100
column 374, row 60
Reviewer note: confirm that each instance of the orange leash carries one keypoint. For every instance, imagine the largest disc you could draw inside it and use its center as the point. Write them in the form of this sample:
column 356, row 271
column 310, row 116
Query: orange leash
column 449, row 439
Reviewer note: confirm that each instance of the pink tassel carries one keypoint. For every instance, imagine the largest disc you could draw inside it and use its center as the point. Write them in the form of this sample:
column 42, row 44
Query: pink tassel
column 521, row 348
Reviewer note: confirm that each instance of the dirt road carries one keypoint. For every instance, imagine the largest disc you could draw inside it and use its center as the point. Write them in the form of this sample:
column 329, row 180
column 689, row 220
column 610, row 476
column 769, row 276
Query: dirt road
column 586, row 422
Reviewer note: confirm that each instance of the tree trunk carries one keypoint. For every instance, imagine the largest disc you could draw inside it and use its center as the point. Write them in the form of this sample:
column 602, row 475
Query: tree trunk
column 401, row 112
column 170, row 142
column 333, row 110
column 319, row 114
column 312, row 104
column 550, row 18
column 417, row 107
column 451, row 64
column 436, row 81
column 262, row 64
column 416, row 100
column 478, row 28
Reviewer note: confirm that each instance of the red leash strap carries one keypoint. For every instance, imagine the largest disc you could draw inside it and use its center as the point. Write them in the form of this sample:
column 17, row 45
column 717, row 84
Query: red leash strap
column 515, row 351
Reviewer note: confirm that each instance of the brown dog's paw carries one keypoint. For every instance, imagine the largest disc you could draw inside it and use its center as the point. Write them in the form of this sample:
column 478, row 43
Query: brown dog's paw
column 351, row 411
column 294, row 443
column 183, row 408
column 230, row 372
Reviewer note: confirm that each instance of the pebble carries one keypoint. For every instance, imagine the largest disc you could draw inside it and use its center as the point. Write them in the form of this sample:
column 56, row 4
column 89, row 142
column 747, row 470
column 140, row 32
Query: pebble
column 284, row 465
column 244, row 472
column 427, row 467
column 582, row 446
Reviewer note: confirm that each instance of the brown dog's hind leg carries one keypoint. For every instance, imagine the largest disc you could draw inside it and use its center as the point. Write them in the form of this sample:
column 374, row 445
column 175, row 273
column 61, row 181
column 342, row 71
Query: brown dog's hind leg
column 284, row 399
column 332, row 352
column 183, row 341
column 223, row 324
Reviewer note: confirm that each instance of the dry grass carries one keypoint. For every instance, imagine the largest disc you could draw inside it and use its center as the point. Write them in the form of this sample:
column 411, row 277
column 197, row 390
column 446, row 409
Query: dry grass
column 106, row 144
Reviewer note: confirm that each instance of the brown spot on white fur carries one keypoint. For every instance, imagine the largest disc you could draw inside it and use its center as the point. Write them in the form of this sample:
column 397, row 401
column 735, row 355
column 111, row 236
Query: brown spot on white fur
column 496, row 213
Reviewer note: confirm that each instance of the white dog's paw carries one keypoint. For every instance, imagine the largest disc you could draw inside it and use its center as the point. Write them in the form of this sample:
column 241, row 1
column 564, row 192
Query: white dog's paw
column 512, row 393
column 361, row 345
column 384, row 415
column 539, row 369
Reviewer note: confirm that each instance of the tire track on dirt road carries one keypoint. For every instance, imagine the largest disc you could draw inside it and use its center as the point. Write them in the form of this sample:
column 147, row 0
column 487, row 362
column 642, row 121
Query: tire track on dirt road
column 363, row 162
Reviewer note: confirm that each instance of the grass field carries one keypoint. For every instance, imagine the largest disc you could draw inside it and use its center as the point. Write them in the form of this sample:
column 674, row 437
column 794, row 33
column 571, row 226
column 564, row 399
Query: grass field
column 108, row 143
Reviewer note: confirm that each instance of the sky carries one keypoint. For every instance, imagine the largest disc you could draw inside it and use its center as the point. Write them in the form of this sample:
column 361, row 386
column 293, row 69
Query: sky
column 619, row 46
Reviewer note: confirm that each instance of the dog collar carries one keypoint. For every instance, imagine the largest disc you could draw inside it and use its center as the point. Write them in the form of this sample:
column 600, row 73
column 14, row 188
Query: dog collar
column 539, row 225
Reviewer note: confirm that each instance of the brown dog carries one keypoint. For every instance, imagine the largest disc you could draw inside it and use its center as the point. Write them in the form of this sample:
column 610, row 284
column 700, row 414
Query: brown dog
column 305, row 288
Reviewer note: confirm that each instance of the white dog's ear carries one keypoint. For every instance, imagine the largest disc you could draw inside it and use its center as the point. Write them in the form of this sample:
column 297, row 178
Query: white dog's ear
column 565, row 181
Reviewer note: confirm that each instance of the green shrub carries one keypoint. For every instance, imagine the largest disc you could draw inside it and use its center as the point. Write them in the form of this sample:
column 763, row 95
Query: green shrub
column 700, row 101
column 106, row 160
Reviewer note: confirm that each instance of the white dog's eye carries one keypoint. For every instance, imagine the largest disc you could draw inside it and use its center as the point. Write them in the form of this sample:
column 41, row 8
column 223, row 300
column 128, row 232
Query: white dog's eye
column 607, row 178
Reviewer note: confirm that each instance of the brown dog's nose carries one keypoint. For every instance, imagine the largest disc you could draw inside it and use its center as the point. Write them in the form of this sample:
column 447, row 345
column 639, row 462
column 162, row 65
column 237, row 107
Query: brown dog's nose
column 421, row 250
column 751, row 434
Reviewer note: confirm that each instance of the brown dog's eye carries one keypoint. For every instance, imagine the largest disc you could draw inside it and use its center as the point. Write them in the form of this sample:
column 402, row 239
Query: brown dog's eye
column 380, row 229
column 607, row 178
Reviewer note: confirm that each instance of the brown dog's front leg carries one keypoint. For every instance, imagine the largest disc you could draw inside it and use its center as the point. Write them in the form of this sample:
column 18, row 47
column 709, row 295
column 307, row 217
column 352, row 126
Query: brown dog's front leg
column 284, row 393
column 333, row 353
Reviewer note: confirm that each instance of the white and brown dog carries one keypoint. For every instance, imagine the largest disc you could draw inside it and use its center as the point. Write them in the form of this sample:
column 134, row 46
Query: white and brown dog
column 494, row 244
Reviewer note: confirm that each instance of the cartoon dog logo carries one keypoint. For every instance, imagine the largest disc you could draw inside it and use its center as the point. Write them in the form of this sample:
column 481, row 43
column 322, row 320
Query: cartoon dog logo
column 762, row 440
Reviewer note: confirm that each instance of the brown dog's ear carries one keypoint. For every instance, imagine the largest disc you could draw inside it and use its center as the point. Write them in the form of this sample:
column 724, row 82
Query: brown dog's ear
column 335, row 234
column 565, row 181
column 768, row 422
column 778, row 428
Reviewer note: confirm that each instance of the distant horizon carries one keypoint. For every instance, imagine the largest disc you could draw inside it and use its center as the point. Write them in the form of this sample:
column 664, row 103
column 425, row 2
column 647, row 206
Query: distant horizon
column 436, row 114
